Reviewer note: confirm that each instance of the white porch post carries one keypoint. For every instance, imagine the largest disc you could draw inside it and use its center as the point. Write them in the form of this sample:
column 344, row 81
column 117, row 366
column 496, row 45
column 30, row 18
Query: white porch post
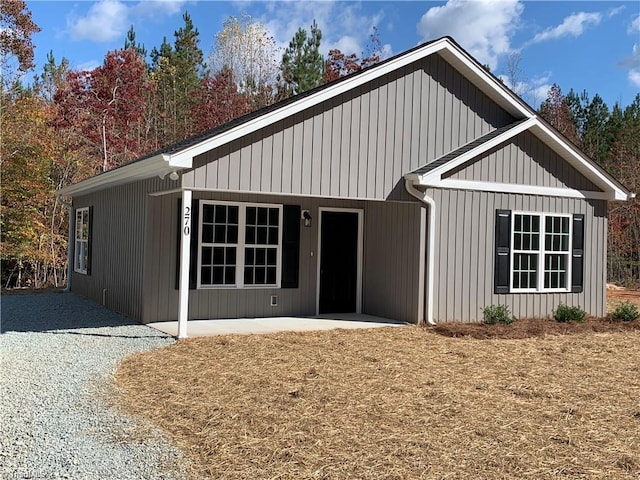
column 185, row 260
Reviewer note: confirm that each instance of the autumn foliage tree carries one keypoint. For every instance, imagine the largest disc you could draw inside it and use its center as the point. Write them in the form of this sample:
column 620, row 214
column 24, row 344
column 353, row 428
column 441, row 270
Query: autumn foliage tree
column 555, row 110
column 104, row 108
column 339, row 64
column 16, row 45
column 218, row 101
column 31, row 238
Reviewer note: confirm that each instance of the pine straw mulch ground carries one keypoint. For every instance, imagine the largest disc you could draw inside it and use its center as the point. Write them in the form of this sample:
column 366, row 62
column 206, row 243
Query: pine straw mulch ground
column 402, row 403
column 534, row 327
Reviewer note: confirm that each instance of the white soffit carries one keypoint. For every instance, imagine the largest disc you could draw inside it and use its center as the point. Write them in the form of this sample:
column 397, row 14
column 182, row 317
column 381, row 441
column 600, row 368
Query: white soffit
column 158, row 165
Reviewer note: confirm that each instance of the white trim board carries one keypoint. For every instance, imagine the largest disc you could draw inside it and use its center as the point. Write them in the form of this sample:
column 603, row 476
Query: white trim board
column 522, row 189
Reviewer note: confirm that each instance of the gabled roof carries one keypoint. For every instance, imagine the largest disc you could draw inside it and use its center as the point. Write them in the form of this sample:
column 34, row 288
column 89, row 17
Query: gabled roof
column 432, row 174
column 180, row 155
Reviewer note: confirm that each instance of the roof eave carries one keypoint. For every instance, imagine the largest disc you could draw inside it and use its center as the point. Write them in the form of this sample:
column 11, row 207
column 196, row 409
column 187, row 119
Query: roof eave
column 158, row 165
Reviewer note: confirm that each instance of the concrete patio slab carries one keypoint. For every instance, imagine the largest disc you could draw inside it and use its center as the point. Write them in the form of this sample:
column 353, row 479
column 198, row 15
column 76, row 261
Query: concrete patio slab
column 246, row 326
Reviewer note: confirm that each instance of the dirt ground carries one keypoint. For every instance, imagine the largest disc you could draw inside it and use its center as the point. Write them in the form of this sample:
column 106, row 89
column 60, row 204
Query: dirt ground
column 395, row 403
column 616, row 296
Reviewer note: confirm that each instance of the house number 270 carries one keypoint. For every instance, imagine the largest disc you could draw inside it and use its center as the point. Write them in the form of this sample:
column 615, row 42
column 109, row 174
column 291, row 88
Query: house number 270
column 187, row 220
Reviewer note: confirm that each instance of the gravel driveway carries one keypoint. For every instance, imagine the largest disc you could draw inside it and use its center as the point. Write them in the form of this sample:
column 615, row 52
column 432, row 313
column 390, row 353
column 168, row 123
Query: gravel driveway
column 57, row 354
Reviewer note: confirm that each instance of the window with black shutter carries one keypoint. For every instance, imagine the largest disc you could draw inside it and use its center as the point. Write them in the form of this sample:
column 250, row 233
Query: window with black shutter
column 538, row 252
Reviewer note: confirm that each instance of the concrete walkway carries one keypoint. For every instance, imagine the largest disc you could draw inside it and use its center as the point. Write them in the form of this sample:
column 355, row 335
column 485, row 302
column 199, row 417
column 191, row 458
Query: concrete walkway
column 207, row 328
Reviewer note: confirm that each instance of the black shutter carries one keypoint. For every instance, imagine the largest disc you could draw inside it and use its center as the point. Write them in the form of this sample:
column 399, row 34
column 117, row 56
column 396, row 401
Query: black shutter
column 89, row 241
column 290, row 246
column 502, row 252
column 577, row 254
column 193, row 260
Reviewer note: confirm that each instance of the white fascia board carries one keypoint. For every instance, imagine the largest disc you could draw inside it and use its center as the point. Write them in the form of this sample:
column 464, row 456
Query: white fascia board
column 453, row 55
column 436, row 173
column 147, row 168
column 521, row 189
column 580, row 163
column 178, row 161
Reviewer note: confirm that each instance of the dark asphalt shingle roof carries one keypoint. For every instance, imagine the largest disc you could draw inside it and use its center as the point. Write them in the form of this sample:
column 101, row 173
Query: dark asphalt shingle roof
column 465, row 148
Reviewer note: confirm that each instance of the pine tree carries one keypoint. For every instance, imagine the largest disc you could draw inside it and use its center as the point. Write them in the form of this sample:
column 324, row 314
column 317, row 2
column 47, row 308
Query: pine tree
column 187, row 60
column 303, row 66
column 595, row 141
column 130, row 43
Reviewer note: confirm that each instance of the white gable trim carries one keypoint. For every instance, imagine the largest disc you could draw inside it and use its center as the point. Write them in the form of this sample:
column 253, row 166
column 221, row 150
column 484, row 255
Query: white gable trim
column 523, row 189
column 611, row 191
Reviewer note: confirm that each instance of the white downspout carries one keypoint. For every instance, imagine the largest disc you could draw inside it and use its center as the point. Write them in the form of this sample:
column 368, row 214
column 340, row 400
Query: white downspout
column 431, row 250
column 69, row 242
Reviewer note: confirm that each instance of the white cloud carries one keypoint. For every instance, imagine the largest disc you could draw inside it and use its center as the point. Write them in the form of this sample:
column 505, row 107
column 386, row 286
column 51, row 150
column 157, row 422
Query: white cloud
column 157, row 8
column 633, row 60
column 334, row 18
column 574, row 25
column 533, row 90
column 539, row 94
column 483, row 27
column 108, row 20
column 87, row 66
column 105, row 21
column 615, row 11
column 634, row 26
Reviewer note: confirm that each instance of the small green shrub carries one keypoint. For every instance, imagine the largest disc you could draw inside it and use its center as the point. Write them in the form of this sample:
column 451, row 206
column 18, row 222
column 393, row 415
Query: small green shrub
column 626, row 311
column 497, row 314
column 565, row 313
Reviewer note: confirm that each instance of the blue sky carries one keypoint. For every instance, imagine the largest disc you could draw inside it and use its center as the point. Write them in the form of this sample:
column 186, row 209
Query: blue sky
column 584, row 45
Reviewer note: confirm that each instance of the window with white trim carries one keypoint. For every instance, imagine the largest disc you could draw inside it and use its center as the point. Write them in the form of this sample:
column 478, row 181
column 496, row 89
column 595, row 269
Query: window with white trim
column 81, row 257
column 541, row 252
column 240, row 245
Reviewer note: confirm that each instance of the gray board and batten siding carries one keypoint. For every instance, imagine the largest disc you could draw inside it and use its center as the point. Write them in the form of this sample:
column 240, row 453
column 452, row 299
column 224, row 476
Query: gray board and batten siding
column 464, row 257
column 118, row 244
column 390, row 263
column 524, row 160
column 358, row 144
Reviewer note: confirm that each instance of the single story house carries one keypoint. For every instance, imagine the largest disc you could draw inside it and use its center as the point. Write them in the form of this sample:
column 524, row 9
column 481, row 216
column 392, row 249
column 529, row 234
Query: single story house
column 420, row 189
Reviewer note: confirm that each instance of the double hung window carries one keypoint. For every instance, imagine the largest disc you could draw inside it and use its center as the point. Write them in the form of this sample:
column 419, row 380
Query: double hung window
column 541, row 252
column 239, row 245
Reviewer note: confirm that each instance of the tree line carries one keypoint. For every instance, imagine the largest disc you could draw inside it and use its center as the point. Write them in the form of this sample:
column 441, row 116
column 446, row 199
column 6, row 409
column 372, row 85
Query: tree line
column 611, row 137
column 68, row 125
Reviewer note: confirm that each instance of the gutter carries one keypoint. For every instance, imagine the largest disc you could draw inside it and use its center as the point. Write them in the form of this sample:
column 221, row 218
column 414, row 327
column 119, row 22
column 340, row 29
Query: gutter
column 69, row 241
column 431, row 250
